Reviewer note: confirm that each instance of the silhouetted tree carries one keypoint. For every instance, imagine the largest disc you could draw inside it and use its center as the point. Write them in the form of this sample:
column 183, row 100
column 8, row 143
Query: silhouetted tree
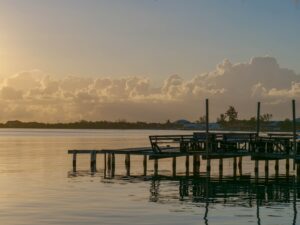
column 232, row 114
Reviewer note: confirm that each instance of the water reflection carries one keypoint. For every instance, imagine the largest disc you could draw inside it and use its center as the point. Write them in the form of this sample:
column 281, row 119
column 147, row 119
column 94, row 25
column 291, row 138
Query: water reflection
column 205, row 191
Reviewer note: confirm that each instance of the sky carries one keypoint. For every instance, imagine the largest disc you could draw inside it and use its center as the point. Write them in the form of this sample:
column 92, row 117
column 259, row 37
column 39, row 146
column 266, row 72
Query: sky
column 152, row 60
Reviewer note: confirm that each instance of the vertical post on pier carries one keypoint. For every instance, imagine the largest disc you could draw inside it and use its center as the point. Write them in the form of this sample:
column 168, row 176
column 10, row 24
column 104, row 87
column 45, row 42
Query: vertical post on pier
column 256, row 168
column 287, row 167
column 187, row 165
column 109, row 162
column 145, row 165
column 276, row 168
column 127, row 164
column 155, row 167
column 105, row 166
column 196, row 164
column 93, row 161
column 113, row 164
column 294, row 130
column 258, row 119
column 234, row 166
column 266, row 169
column 174, row 166
column 298, row 173
column 240, row 165
column 221, row 168
column 207, row 135
column 74, row 161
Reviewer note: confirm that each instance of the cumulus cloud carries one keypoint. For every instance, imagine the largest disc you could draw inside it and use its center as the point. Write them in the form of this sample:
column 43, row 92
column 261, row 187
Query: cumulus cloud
column 35, row 96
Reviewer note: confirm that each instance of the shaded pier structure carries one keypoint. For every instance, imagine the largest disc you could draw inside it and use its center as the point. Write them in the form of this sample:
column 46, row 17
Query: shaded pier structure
column 208, row 145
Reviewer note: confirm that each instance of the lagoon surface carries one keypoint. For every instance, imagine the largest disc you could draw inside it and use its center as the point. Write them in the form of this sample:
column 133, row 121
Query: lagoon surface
column 37, row 185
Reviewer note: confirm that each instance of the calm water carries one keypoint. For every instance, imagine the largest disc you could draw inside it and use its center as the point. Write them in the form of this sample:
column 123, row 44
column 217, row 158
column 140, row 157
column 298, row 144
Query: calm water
column 37, row 185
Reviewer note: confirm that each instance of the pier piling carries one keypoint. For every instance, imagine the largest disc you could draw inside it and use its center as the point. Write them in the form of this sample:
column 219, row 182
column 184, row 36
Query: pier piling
column 174, row 166
column 187, row 165
column 127, row 164
column 74, row 161
column 145, row 165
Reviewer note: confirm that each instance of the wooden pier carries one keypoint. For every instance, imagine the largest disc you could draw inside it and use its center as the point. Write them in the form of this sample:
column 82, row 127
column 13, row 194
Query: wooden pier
column 209, row 145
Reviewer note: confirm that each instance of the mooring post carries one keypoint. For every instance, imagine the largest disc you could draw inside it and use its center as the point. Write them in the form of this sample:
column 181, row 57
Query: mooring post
column 266, row 169
column 298, row 173
column 187, row 165
column 109, row 162
column 145, row 165
column 127, row 164
column 105, row 165
column 113, row 164
column 93, row 160
column 240, row 165
column 258, row 119
column 276, row 167
column 234, row 166
column 196, row 164
column 294, row 132
column 287, row 166
column 174, row 166
column 155, row 167
column 221, row 168
column 207, row 125
column 208, row 167
column 74, row 161
column 256, row 168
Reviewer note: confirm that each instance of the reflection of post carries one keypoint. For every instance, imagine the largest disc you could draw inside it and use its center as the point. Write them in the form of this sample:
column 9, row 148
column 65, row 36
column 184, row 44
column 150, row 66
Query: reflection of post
column 295, row 204
column 145, row 165
column 155, row 167
column 187, row 165
column 74, row 161
column 257, row 212
column 154, row 190
column 174, row 166
column 127, row 164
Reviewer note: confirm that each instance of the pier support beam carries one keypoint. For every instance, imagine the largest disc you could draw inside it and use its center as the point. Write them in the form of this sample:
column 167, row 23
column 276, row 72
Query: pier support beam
column 187, row 165
column 109, row 162
column 93, row 161
column 208, row 167
column 174, row 166
column 74, row 161
column 155, row 167
column 276, row 168
column 287, row 167
column 220, row 168
column 113, row 164
column 145, row 165
column 234, row 166
column 266, row 169
column 240, row 166
column 196, row 165
column 256, row 169
column 298, row 173
column 105, row 165
column 127, row 164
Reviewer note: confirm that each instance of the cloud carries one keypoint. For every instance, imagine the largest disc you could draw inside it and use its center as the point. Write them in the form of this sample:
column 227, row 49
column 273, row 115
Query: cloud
column 35, row 96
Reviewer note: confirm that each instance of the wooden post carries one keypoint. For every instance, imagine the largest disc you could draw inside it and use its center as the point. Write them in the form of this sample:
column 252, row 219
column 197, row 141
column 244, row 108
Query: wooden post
column 187, row 165
column 196, row 164
column 298, row 173
column 127, row 164
column 207, row 125
column 109, row 162
column 266, row 169
column 234, row 166
column 174, row 166
column 145, row 165
column 240, row 165
column 155, row 167
column 93, row 161
column 113, row 164
column 276, row 167
column 105, row 166
column 208, row 167
column 287, row 166
column 256, row 169
column 294, row 130
column 258, row 119
column 221, row 168
column 74, row 161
